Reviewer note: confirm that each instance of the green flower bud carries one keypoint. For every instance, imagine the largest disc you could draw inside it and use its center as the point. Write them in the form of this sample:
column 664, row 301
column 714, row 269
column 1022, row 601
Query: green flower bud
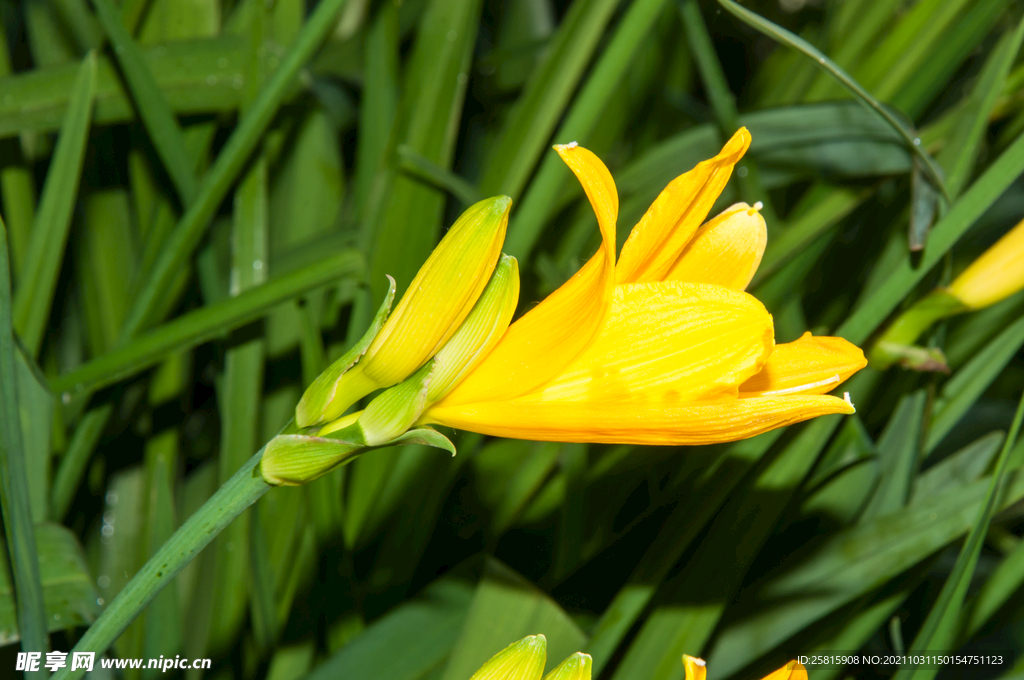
column 576, row 667
column 396, row 409
column 523, row 660
column 439, row 299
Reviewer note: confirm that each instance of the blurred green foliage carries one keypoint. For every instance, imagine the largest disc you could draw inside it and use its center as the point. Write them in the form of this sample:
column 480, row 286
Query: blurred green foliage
column 201, row 200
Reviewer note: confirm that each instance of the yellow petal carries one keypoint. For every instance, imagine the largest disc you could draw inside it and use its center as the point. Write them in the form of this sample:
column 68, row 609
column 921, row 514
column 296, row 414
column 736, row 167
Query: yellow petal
column 540, row 344
column 794, row 670
column 809, row 365
column 664, row 423
column 997, row 274
column 727, row 250
column 657, row 240
column 695, row 668
column 668, row 341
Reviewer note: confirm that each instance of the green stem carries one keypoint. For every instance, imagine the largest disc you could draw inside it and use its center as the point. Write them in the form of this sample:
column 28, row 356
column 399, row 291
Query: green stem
column 237, row 494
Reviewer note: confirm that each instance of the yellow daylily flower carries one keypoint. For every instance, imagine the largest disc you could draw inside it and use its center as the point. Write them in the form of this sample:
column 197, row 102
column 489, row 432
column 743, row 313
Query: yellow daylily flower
column 696, row 669
column 662, row 347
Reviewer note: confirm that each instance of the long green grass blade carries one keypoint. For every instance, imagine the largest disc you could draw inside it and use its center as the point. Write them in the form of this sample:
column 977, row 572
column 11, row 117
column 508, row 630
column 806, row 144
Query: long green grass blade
column 15, row 503
column 206, row 323
column 225, row 169
column 52, row 222
column 241, row 491
column 153, row 108
column 535, row 115
column 912, row 141
column 940, row 628
column 579, row 124
column 962, row 214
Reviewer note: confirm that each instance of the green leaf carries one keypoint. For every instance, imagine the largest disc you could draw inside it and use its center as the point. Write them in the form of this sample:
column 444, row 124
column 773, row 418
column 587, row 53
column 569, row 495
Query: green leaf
column 241, row 491
column 940, row 628
column 879, row 303
column 959, row 468
column 15, row 501
column 225, row 170
column 579, row 124
column 961, row 391
column 523, row 137
column 153, row 108
column 858, row 91
column 68, row 593
column 687, row 615
column 211, row 321
column 424, row 629
column 898, row 450
column 52, row 222
column 849, row 564
column 431, row 106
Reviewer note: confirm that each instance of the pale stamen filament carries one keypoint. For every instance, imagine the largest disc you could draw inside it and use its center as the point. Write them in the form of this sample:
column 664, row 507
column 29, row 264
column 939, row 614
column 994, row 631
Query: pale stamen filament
column 834, row 380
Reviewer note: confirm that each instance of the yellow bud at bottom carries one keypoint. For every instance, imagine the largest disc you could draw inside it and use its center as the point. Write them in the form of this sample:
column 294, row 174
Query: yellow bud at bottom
column 523, row 660
column 576, row 667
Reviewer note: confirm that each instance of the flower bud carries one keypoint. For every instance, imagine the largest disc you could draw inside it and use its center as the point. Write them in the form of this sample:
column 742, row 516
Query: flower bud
column 432, row 309
column 997, row 274
column 396, row 409
column 576, row 667
column 523, row 660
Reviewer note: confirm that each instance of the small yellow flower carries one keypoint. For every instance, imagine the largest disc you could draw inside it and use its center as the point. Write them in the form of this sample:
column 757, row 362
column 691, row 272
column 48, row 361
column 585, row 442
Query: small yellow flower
column 697, row 670
column 997, row 274
column 432, row 309
column 661, row 347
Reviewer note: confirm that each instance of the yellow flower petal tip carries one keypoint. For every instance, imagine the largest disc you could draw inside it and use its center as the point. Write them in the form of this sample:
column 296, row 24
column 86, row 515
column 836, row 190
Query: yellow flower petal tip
column 576, row 667
column 658, row 239
column 994, row 276
column 696, row 669
column 522, row 660
column 794, row 670
column 727, row 250
column 809, row 365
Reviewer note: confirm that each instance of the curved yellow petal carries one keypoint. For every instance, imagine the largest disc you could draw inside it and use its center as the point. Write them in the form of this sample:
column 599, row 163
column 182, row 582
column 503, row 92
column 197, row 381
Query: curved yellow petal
column 540, row 344
column 696, row 669
column 660, row 235
column 668, row 341
column 794, row 670
column 663, row 423
column 727, row 250
column 809, row 365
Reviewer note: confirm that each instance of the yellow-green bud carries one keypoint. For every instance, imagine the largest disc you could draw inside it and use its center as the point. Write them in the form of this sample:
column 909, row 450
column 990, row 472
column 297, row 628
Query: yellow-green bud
column 576, row 667
column 997, row 274
column 438, row 300
column 523, row 660
column 396, row 409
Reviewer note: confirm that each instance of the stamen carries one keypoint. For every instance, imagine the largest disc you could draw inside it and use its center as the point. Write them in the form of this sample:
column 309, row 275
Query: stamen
column 834, row 380
column 572, row 145
column 846, row 398
column 758, row 205
column 700, row 662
